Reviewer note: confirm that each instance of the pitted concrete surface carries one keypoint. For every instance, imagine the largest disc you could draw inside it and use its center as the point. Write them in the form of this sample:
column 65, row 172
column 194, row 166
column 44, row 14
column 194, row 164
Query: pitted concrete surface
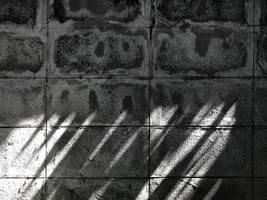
column 133, row 99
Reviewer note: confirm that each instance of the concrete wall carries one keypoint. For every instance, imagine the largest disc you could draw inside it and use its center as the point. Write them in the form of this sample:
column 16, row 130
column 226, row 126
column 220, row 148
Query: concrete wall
column 133, row 99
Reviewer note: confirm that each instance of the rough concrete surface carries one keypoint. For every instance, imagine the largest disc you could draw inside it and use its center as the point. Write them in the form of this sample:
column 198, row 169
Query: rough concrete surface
column 133, row 99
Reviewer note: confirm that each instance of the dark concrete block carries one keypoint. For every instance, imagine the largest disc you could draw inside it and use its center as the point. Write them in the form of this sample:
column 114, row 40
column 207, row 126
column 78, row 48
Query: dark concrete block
column 18, row 12
column 102, row 10
column 260, row 12
column 261, row 52
column 260, row 152
column 22, row 102
column 97, row 52
column 215, row 102
column 19, row 54
column 203, row 50
column 201, row 11
column 108, row 189
column 260, row 103
column 19, row 156
column 22, row 189
column 260, row 191
column 193, row 152
column 197, row 188
column 98, row 152
column 108, row 101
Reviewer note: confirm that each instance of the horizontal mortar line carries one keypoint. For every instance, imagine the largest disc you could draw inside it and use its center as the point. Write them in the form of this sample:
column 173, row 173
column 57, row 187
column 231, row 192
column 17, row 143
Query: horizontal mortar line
column 95, row 26
column 138, row 126
column 41, row 127
column 136, row 178
column 200, row 77
column 152, row 126
column 21, row 177
column 150, row 77
column 209, row 177
column 23, row 77
column 144, row 78
column 98, row 77
column 98, row 177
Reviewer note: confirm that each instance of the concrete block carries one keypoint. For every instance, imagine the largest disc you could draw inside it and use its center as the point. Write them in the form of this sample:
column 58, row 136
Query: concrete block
column 109, row 189
column 20, row 54
column 214, row 102
column 237, row 11
column 22, row 102
column 260, row 103
column 260, row 12
column 196, row 152
column 98, row 152
column 260, row 191
column 18, row 12
column 112, row 102
column 260, row 152
column 124, row 11
column 22, row 189
column 20, row 154
column 203, row 51
column 261, row 52
column 102, row 52
column 198, row 188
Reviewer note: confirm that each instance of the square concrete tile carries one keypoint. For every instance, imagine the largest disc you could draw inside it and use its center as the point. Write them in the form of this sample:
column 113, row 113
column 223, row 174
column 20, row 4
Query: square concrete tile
column 97, row 101
column 20, row 152
column 22, row 102
column 108, row 189
column 98, row 152
column 22, row 189
column 196, row 152
column 260, row 51
column 215, row 102
column 202, row 51
column 96, row 52
column 197, row 188
column 260, row 103
column 260, row 152
column 260, row 191
column 260, row 16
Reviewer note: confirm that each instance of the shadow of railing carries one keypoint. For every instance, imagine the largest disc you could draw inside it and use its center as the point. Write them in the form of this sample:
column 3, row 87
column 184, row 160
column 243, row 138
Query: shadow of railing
column 185, row 142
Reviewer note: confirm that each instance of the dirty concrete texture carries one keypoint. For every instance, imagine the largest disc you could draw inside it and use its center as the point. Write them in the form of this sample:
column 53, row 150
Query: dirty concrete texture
column 133, row 99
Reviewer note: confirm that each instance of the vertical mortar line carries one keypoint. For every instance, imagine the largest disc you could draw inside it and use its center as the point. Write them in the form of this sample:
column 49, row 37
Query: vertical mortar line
column 252, row 100
column 46, row 97
column 150, row 76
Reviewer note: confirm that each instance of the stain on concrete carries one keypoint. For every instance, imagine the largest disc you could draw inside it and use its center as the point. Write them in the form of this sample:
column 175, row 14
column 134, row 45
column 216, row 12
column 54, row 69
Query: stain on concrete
column 93, row 102
column 100, row 49
column 127, row 103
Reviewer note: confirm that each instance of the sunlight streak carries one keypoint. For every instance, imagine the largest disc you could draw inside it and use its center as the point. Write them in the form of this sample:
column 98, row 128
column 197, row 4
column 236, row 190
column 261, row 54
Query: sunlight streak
column 171, row 160
column 98, row 194
column 105, row 139
column 123, row 150
column 213, row 190
column 72, row 141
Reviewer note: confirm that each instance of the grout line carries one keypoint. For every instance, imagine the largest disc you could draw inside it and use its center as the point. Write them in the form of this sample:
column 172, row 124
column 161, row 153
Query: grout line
column 46, row 97
column 253, row 104
column 134, row 177
column 139, row 126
